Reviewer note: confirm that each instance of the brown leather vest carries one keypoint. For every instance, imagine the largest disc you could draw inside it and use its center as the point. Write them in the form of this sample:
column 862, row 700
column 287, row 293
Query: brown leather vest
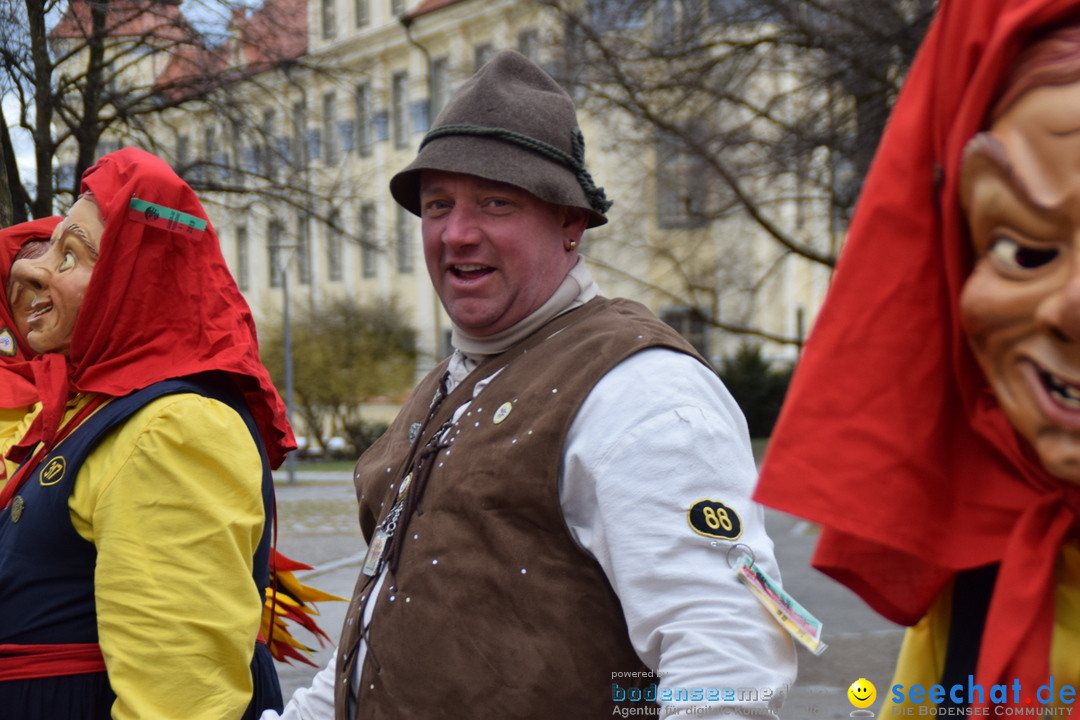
column 490, row 609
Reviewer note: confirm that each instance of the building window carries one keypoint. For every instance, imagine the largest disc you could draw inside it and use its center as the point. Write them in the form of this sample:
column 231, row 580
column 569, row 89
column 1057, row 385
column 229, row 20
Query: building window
column 264, row 149
column 400, row 104
column 274, row 235
column 197, row 172
column 528, row 44
column 211, row 154
column 299, row 140
column 183, row 151
column 363, row 120
column 346, row 137
column 363, row 16
column 329, row 131
column 419, row 112
column 243, row 278
column 303, row 247
column 689, row 323
column 607, row 15
column 681, row 185
column 665, row 22
column 108, row 146
column 682, row 20
column 481, row 54
column 333, row 247
column 380, row 126
column 447, row 343
column 236, row 146
column 368, row 244
column 735, row 11
column 403, row 249
column 329, row 22
column 440, row 84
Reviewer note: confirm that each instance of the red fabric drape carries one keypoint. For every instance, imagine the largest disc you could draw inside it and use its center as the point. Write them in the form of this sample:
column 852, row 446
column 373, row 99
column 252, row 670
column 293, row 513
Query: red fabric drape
column 890, row 437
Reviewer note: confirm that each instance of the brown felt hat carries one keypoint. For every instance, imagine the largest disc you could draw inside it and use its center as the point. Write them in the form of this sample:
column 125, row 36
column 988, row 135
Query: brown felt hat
column 512, row 123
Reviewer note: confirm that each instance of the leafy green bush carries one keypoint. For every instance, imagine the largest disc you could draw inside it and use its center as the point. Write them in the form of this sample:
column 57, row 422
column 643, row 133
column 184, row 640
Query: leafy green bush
column 757, row 387
column 344, row 353
column 363, row 434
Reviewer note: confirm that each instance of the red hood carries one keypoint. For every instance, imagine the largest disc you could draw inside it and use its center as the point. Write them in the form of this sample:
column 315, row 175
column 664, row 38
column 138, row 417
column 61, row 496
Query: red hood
column 161, row 302
column 890, row 437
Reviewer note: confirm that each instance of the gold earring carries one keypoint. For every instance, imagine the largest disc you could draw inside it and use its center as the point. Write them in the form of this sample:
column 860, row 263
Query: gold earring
column 573, row 244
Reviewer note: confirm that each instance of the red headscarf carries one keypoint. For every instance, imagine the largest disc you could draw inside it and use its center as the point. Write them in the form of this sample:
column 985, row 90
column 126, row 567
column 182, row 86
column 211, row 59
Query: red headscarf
column 890, row 437
column 15, row 390
column 161, row 302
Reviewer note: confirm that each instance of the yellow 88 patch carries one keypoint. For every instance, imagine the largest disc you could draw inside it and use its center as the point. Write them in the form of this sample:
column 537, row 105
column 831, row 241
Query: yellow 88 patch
column 714, row 519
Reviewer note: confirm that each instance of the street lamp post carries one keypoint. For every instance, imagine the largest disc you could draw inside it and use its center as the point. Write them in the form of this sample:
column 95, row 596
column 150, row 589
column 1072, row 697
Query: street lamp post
column 286, row 320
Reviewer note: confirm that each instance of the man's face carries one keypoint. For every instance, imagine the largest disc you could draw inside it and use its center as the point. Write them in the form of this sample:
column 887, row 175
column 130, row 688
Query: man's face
column 47, row 291
column 495, row 252
column 1020, row 187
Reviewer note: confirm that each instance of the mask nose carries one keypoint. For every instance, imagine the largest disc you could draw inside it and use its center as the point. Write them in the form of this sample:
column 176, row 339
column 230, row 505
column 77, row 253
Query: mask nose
column 30, row 273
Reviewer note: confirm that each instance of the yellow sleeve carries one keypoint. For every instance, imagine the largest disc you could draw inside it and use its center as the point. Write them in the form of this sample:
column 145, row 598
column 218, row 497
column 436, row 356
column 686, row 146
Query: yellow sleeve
column 13, row 423
column 922, row 654
column 1065, row 646
column 173, row 503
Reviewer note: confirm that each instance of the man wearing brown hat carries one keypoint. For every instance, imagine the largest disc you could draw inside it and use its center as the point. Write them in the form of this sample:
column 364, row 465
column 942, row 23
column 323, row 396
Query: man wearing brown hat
column 552, row 515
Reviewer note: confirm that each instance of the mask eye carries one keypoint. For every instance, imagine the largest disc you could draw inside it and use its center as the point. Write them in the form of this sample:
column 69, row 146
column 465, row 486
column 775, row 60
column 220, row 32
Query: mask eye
column 1014, row 256
column 67, row 262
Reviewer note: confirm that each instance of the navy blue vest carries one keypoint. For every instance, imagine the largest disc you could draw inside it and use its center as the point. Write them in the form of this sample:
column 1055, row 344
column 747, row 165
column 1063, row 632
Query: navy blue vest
column 46, row 567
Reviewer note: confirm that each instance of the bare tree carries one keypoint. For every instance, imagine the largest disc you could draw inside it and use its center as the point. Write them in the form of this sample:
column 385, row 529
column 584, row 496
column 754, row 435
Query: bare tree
column 88, row 77
column 352, row 353
column 755, row 120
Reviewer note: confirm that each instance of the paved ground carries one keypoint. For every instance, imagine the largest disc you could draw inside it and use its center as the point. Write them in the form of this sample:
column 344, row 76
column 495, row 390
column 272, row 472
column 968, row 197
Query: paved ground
column 317, row 525
column 861, row 643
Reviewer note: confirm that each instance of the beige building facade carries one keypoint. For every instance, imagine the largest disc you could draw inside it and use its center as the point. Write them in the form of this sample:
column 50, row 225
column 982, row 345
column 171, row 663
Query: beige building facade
column 350, row 108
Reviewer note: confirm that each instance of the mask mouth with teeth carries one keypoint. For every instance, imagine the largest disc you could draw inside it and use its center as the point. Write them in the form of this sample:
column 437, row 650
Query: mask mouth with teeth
column 1060, row 391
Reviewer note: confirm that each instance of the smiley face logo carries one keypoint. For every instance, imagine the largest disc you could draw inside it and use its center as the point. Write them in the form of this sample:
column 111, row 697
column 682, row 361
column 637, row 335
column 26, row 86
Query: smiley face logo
column 862, row 693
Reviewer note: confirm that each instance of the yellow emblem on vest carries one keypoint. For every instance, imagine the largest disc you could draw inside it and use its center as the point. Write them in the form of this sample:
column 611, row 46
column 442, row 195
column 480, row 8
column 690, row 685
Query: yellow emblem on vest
column 502, row 412
column 8, row 347
column 53, row 472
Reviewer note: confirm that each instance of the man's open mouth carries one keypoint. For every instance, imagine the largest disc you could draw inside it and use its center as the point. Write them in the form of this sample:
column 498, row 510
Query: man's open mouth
column 470, row 272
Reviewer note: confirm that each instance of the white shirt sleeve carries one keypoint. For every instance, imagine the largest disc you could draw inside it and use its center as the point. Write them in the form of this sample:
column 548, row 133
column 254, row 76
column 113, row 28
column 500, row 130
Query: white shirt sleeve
column 311, row 703
column 656, row 435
